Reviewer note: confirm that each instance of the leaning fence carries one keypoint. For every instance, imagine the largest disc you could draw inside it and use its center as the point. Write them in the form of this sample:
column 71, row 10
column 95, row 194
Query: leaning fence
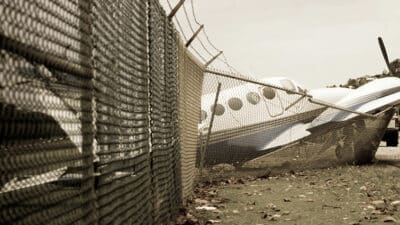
column 276, row 124
column 99, row 105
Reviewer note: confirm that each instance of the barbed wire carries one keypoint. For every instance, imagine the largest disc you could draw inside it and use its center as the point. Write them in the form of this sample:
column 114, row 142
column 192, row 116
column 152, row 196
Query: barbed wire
column 222, row 59
column 177, row 22
column 191, row 28
column 187, row 18
column 194, row 13
column 184, row 35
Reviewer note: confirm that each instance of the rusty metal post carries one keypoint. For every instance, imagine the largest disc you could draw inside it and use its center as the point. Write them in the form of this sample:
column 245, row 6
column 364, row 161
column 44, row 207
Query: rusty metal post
column 213, row 58
column 194, row 36
column 204, row 150
column 175, row 10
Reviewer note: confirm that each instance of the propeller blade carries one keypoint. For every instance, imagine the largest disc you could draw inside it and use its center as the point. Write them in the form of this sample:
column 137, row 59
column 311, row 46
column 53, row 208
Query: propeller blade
column 384, row 53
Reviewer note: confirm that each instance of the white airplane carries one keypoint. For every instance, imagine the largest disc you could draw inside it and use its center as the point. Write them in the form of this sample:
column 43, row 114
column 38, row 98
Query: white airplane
column 252, row 120
column 35, row 116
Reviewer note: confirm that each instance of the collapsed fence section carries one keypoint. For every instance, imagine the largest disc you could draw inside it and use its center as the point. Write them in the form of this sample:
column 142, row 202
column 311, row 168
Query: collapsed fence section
column 90, row 123
column 251, row 119
column 260, row 123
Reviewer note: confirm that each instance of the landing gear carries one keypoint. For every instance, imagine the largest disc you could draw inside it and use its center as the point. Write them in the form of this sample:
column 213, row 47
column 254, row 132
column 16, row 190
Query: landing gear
column 391, row 137
column 365, row 154
column 358, row 156
column 354, row 149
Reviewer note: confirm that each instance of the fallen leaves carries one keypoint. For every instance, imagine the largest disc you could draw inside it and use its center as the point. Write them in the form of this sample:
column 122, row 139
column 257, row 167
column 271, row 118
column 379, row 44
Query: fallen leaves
column 295, row 197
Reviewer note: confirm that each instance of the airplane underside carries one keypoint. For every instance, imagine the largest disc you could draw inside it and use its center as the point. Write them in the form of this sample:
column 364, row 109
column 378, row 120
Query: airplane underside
column 358, row 142
column 355, row 141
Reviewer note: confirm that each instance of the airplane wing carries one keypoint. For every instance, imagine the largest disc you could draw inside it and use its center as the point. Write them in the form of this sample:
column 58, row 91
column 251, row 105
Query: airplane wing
column 373, row 97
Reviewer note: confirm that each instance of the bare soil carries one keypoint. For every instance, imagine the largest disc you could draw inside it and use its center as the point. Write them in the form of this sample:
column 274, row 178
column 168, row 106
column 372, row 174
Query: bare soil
column 299, row 189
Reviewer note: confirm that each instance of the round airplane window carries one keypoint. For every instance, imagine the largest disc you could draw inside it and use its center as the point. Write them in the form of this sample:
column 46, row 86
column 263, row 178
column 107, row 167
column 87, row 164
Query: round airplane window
column 219, row 109
column 203, row 115
column 253, row 98
column 235, row 103
column 268, row 92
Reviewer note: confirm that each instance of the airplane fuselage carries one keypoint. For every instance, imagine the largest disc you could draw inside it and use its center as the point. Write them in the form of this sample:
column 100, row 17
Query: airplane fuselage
column 252, row 120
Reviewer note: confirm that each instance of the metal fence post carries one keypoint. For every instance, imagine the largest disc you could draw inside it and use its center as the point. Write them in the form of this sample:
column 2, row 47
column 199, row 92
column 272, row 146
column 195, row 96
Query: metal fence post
column 204, row 149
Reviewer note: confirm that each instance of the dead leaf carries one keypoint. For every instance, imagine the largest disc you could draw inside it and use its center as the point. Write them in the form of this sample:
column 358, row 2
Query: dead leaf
column 271, row 206
column 207, row 208
column 376, row 212
column 395, row 203
column 388, row 219
column 379, row 204
column 201, row 201
column 213, row 221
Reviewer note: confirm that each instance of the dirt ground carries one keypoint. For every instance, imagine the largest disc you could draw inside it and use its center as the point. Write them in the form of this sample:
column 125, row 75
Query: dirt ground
column 298, row 188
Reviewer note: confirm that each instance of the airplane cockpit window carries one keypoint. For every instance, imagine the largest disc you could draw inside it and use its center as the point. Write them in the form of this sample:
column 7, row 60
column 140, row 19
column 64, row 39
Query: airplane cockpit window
column 235, row 103
column 301, row 90
column 253, row 98
column 219, row 109
column 288, row 85
column 268, row 92
column 203, row 115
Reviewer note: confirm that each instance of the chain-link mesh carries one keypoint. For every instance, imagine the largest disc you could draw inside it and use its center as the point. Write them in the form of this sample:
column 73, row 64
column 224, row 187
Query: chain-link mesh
column 100, row 111
column 90, row 124
column 249, row 118
column 171, row 68
column 46, row 113
column 191, row 74
column 163, row 115
column 121, row 96
column 256, row 118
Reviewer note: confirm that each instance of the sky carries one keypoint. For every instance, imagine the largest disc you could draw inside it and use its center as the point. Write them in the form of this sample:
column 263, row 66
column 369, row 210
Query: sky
column 316, row 43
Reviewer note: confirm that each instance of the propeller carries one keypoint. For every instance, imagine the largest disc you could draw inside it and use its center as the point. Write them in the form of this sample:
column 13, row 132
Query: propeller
column 385, row 55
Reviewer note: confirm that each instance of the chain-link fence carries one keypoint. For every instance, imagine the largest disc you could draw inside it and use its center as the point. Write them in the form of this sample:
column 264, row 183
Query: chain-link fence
column 276, row 123
column 121, row 86
column 90, row 124
column 47, row 113
column 190, row 72
column 163, row 114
